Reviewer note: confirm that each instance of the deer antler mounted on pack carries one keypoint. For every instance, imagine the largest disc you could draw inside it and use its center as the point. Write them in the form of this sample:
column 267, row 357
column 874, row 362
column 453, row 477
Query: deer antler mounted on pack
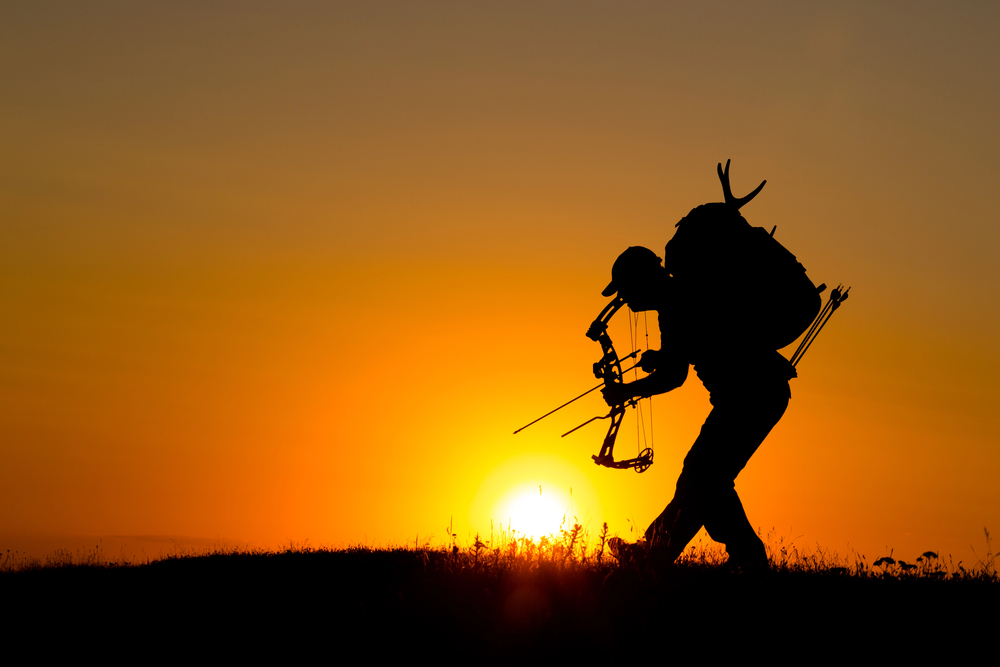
column 743, row 287
column 727, row 191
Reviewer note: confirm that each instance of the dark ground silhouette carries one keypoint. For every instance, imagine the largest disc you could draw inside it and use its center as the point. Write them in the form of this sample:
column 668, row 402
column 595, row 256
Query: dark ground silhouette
column 483, row 606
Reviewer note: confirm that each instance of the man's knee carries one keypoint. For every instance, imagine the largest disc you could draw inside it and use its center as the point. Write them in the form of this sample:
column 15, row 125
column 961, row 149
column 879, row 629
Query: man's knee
column 700, row 485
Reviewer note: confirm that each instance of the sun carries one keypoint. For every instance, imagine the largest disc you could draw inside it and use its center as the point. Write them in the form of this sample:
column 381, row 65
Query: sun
column 534, row 511
column 534, row 494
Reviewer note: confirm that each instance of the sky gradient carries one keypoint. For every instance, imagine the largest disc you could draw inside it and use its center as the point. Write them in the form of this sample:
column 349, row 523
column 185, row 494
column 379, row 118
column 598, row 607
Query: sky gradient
column 287, row 272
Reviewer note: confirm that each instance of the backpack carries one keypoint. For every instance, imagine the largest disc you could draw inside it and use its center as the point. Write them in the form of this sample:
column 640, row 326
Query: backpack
column 736, row 284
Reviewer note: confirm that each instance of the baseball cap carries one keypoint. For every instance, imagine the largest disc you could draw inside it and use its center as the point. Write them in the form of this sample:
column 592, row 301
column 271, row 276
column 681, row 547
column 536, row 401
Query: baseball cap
column 635, row 261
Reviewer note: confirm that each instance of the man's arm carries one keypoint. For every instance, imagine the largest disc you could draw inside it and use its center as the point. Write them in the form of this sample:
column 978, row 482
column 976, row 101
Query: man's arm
column 670, row 372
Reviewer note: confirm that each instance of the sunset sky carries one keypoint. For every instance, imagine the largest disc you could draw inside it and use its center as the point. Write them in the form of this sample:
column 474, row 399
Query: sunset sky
column 296, row 271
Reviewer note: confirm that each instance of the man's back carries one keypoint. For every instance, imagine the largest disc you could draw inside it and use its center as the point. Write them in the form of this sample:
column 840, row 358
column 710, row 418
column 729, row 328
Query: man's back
column 735, row 289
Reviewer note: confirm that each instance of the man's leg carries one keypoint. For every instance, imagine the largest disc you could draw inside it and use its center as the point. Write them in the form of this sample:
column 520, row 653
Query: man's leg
column 742, row 427
column 705, row 493
column 727, row 522
column 678, row 523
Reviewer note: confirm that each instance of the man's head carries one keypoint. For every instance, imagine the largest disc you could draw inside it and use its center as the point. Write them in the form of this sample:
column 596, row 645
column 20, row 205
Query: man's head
column 635, row 276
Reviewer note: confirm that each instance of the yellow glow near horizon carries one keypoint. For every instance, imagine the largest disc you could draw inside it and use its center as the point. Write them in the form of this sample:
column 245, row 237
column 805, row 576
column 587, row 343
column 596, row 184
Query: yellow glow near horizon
column 534, row 511
column 508, row 497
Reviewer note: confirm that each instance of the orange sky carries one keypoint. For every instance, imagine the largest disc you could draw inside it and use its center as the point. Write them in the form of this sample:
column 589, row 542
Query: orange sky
column 274, row 274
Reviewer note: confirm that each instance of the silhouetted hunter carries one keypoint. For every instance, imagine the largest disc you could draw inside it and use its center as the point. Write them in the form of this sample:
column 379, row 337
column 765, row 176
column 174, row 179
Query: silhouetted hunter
column 728, row 296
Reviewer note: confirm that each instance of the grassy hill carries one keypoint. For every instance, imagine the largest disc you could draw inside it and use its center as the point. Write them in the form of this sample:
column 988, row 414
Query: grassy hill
column 519, row 599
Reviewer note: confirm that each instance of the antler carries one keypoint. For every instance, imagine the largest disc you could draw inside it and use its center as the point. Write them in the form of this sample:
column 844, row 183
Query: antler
column 728, row 191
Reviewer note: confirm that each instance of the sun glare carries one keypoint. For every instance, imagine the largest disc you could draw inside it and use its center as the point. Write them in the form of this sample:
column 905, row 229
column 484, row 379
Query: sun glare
column 534, row 511
column 533, row 494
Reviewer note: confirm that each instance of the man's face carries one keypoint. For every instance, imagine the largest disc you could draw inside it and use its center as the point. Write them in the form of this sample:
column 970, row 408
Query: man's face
column 639, row 294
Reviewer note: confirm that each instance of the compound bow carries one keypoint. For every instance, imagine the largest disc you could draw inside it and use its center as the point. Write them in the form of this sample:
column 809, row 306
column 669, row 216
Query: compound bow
column 609, row 369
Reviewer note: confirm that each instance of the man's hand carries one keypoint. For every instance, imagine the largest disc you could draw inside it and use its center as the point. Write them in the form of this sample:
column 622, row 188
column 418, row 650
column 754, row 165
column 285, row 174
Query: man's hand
column 616, row 394
column 671, row 374
column 650, row 360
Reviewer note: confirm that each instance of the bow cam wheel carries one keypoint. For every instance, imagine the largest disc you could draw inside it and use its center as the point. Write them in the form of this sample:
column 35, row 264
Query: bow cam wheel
column 645, row 460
